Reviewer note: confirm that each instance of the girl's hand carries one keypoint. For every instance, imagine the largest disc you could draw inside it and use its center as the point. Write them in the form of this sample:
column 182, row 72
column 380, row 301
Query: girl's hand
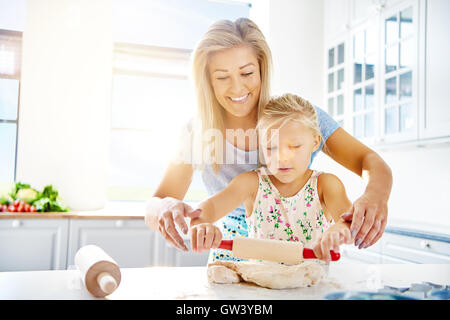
column 205, row 236
column 368, row 215
column 174, row 211
column 337, row 234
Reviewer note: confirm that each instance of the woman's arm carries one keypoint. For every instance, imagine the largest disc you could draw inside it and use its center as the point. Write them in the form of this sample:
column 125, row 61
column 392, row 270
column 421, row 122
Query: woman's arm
column 165, row 208
column 369, row 212
column 333, row 197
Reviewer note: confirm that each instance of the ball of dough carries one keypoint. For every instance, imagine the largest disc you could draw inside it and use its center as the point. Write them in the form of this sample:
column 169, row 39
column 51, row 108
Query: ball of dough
column 267, row 274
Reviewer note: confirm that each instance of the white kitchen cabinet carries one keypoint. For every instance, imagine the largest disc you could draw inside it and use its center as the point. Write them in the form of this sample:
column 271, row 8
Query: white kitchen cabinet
column 399, row 76
column 415, row 249
column 400, row 248
column 392, row 260
column 128, row 241
column 51, row 244
column 340, row 15
column 33, row 244
column 435, row 114
column 360, row 10
column 370, row 255
column 396, row 93
column 336, row 15
column 167, row 255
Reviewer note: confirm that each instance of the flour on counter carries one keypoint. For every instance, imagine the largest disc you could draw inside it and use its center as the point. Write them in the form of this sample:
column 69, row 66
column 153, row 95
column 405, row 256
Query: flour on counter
column 266, row 274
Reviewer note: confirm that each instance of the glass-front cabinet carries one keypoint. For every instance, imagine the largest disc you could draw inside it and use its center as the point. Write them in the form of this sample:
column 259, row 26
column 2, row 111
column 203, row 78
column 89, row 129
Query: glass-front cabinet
column 363, row 86
column 336, row 82
column 399, row 74
column 380, row 59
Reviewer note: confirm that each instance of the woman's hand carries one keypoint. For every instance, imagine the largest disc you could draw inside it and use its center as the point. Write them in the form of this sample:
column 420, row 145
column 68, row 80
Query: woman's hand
column 173, row 211
column 205, row 236
column 368, row 216
column 337, row 234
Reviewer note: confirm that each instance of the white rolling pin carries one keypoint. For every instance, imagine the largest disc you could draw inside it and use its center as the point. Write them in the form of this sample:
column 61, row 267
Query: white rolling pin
column 100, row 273
column 271, row 250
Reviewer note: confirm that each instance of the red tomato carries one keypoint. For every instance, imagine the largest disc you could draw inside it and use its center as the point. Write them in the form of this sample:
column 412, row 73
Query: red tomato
column 20, row 207
column 16, row 203
column 11, row 208
column 27, row 207
column 33, row 209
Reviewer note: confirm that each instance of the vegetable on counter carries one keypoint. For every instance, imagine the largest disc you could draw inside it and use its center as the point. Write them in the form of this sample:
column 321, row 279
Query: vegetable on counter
column 23, row 198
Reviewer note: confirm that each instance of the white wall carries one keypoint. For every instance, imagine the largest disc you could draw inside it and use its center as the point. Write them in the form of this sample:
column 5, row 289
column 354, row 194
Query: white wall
column 294, row 30
column 65, row 99
column 421, row 187
column 295, row 37
column 420, row 192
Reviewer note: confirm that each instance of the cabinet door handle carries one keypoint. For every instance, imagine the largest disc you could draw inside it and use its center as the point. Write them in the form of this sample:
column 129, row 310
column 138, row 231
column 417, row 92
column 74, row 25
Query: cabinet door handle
column 425, row 244
column 119, row 223
column 16, row 223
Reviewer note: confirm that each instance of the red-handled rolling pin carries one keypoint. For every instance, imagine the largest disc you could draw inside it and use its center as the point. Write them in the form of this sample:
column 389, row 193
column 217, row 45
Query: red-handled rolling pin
column 272, row 250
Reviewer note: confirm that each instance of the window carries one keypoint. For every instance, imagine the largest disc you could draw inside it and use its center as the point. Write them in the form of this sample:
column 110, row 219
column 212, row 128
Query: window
column 150, row 91
column 152, row 97
column 10, row 61
column 336, row 82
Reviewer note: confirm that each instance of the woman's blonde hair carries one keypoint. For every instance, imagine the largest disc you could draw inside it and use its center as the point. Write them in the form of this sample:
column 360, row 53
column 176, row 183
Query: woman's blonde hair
column 287, row 107
column 224, row 34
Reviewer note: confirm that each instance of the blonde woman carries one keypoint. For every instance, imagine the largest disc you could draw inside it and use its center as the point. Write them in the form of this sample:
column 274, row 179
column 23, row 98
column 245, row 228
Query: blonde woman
column 231, row 74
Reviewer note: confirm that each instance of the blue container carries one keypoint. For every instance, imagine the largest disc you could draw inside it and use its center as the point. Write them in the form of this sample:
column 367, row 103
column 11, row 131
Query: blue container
column 362, row 295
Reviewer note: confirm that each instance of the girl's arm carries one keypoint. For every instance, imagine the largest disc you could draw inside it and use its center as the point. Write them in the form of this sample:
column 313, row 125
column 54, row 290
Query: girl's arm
column 242, row 189
column 368, row 214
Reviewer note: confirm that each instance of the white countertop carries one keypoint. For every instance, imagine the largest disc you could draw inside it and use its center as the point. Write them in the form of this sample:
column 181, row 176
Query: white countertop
column 191, row 283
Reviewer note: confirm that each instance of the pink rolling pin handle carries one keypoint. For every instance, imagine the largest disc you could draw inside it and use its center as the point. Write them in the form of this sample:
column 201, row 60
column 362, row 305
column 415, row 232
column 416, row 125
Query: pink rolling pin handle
column 309, row 254
column 226, row 244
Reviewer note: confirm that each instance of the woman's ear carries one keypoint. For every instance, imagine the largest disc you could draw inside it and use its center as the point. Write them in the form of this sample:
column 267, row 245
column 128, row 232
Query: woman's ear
column 317, row 139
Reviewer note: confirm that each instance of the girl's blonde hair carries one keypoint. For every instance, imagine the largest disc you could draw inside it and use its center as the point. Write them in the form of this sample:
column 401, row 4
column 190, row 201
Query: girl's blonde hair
column 279, row 110
column 221, row 35
column 287, row 107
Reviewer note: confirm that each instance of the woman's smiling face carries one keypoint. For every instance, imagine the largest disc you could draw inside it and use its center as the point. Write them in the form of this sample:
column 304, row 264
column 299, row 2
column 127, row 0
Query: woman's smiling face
column 235, row 78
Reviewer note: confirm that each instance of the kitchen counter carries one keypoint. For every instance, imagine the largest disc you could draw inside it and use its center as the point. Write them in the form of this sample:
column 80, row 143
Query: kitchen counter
column 113, row 210
column 191, row 283
column 99, row 214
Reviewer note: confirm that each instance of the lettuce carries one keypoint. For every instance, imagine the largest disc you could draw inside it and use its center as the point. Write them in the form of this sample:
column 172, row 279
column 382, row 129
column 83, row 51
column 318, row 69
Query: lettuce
column 48, row 201
column 45, row 201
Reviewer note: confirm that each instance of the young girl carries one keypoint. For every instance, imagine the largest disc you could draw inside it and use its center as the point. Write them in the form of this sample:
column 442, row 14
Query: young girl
column 284, row 200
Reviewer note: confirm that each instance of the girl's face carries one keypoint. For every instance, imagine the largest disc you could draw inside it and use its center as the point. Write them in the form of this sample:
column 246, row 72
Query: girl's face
column 235, row 78
column 288, row 150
